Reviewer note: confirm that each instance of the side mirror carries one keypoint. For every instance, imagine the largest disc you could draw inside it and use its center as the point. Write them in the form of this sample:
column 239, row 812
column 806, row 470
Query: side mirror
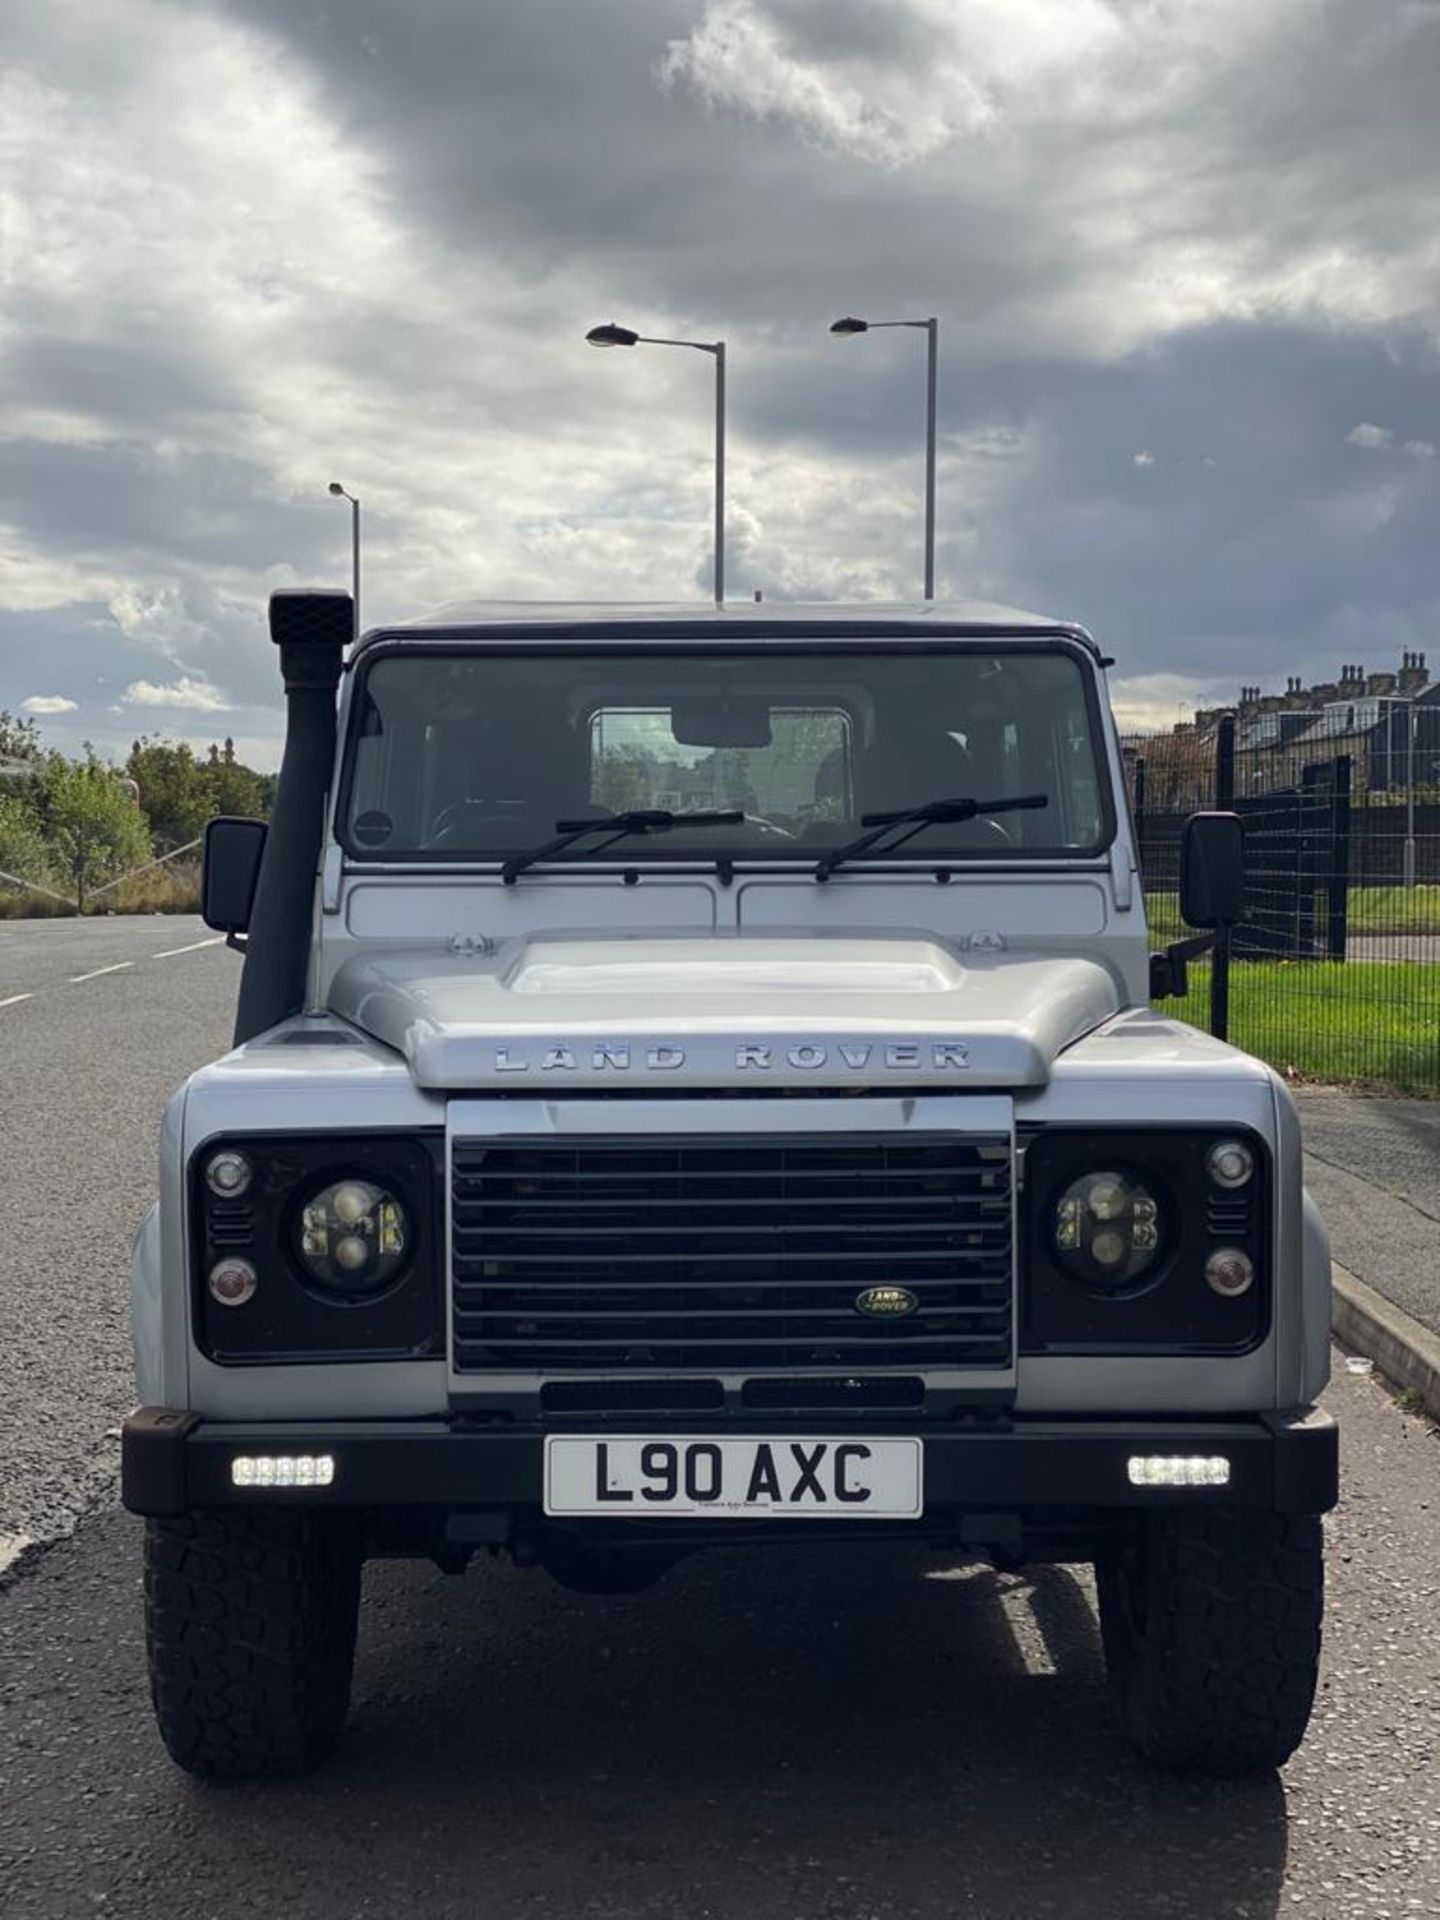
column 1212, row 870
column 231, row 868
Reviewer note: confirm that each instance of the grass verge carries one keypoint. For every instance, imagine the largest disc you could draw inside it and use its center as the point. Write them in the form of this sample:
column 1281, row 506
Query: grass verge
column 1373, row 910
column 1376, row 1021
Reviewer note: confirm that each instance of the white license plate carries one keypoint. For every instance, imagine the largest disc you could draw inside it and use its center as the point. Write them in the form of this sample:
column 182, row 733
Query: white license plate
column 801, row 1478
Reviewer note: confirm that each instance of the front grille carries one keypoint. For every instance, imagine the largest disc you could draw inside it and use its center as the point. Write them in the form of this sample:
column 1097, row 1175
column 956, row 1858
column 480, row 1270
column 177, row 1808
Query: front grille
column 729, row 1253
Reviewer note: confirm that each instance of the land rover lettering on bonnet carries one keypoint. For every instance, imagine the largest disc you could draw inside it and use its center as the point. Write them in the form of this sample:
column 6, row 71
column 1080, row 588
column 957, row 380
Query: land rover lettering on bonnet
column 695, row 1079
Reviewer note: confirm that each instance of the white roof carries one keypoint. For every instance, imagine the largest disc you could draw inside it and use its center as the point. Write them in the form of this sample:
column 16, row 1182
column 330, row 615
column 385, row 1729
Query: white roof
column 982, row 615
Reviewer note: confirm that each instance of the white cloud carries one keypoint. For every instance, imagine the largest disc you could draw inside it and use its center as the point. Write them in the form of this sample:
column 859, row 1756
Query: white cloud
column 41, row 703
column 196, row 696
column 1378, row 439
column 1154, row 702
column 1144, row 458
column 868, row 99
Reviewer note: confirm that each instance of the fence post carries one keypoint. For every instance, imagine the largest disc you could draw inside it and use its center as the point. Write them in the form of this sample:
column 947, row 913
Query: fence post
column 1220, row 960
column 1337, row 914
column 1138, row 809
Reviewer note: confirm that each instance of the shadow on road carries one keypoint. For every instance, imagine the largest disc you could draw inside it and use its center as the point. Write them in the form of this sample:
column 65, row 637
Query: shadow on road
column 812, row 1733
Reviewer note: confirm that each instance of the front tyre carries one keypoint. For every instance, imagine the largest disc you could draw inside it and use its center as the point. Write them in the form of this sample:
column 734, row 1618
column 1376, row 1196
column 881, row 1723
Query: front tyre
column 1211, row 1626
column 250, row 1630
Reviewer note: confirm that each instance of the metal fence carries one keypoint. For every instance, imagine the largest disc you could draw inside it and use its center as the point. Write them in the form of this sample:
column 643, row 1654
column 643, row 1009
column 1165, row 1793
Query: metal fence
column 1335, row 972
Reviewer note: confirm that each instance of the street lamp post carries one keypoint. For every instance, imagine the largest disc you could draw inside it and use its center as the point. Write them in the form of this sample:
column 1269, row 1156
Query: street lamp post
column 931, row 328
column 612, row 336
column 340, row 494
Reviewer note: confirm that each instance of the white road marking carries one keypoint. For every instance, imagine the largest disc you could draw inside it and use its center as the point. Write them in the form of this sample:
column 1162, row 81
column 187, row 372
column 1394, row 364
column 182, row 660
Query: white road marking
column 79, row 979
column 194, row 947
column 15, row 999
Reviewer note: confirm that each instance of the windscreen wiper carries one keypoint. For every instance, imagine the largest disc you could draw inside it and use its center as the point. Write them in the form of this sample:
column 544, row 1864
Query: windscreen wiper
column 914, row 819
column 617, row 825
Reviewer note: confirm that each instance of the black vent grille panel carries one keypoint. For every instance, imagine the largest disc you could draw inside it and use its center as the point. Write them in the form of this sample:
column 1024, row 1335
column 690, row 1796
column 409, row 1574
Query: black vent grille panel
column 730, row 1253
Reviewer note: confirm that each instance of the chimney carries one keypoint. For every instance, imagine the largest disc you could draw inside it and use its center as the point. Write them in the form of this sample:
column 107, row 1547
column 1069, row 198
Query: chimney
column 1380, row 683
column 1412, row 677
column 1352, row 682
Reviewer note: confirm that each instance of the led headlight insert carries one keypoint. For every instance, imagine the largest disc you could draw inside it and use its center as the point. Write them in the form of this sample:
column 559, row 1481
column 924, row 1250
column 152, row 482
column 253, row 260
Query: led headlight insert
column 354, row 1237
column 1107, row 1228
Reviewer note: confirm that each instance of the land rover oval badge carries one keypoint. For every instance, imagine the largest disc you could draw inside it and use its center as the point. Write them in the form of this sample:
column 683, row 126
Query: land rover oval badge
column 886, row 1303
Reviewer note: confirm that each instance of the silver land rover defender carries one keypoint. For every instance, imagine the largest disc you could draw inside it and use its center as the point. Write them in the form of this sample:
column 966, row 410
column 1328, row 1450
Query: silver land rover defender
column 695, row 1080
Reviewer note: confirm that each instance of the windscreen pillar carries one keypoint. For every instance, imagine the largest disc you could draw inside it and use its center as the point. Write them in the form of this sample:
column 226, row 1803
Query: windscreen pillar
column 312, row 628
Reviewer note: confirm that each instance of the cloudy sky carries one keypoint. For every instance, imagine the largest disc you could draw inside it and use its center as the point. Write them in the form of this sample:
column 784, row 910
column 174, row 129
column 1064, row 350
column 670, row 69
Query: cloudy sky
column 1185, row 256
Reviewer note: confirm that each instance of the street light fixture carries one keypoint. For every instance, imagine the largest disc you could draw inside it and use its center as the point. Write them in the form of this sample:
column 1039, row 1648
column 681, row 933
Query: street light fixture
column 611, row 335
column 850, row 325
column 340, row 494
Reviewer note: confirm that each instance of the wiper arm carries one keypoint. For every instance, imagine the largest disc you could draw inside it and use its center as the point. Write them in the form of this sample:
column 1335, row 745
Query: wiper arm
column 914, row 819
column 617, row 825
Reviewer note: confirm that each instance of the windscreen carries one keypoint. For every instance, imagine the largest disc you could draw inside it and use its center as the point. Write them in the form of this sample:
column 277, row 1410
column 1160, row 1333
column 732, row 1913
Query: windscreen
column 479, row 755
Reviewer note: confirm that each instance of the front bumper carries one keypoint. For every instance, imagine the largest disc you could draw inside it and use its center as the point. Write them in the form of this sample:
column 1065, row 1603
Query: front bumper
column 173, row 1462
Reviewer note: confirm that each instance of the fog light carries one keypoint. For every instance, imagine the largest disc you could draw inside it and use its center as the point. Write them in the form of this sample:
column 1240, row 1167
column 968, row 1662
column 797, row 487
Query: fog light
column 1230, row 1272
column 282, row 1470
column 1230, row 1163
column 233, row 1282
column 1178, row 1470
column 227, row 1174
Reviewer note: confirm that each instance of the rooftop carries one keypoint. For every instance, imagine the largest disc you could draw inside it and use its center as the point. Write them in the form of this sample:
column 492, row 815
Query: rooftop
column 607, row 619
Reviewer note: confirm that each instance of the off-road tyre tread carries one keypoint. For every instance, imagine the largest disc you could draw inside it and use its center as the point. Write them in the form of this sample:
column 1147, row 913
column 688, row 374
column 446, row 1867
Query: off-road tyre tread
column 250, row 1622
column 1218, row 1674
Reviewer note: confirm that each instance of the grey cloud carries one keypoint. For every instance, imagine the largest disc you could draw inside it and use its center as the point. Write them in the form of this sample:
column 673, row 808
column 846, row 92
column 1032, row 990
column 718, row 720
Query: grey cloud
column 130, row 382
column 132, row 497
column 1192, row 238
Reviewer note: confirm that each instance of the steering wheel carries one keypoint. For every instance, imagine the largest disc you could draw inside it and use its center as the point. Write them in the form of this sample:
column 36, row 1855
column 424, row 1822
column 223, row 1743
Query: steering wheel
column 452, row 820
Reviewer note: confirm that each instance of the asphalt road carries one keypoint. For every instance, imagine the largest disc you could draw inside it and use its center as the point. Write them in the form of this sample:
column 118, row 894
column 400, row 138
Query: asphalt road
column 1373, row 1165
column 823, row 1735
column 820, row 1735
column 100, row 1020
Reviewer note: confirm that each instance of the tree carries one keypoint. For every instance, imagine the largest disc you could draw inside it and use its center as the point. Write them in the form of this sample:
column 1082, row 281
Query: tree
column 623, row 777
column 19, row 742
column 96, row 831
column 233, row 787
column 174, row 791
column 180, row 792
column 24, row 854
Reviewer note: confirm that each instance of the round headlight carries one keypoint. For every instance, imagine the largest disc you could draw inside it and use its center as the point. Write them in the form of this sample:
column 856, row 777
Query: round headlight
column 354, row 1237
column 1230, row 1163
column 1107, row 1228
column 227, row 1173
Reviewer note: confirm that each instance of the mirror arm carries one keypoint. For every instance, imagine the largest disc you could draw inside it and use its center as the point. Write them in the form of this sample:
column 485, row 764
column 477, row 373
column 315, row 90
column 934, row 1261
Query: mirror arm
column 1169, row 969
column 237, row 942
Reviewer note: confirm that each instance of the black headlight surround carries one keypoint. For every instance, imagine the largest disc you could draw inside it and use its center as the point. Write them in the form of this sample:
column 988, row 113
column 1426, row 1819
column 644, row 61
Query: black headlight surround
column 1170, row 1308
column 293, row 1319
